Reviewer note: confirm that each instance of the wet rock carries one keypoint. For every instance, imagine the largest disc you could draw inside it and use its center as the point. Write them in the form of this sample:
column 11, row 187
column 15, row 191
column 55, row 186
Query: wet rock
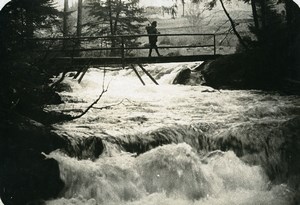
column 63, row 87
column 251, row 70
column 81, row 147
column 182, row 77
column 25, row 173
column 28, row 176
column 196, row 78
column 203, row 65
column 224, row 71
column 91, row 148
column 21, row 132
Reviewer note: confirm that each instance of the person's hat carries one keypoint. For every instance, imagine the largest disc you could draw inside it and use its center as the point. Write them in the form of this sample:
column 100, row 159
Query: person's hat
column 154, row 23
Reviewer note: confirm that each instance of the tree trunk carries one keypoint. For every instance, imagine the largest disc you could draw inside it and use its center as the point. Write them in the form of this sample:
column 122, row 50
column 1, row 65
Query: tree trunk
column 256, row 20
column 255, row 16
column 79, row 18
column 263, row 14
column 65, row 24
column 65, row 20
column 117, row 16
column 233, row 26
column 116, row 22
column 112, row 31
column 79, row 24
column 110, row 18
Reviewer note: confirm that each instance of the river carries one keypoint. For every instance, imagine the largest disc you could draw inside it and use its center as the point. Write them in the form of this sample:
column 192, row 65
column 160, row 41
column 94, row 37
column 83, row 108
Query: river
column 176, row 144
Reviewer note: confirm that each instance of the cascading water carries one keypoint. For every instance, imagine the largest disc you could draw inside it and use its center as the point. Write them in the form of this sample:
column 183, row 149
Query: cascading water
column 178, row 144
column 165, row 175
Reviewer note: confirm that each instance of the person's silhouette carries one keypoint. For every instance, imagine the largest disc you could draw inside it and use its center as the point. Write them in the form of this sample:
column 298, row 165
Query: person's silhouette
column 152, row 37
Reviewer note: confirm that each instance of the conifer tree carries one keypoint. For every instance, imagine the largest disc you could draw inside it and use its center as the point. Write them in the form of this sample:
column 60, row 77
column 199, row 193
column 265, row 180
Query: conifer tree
column 21, row 18
column 115, row 17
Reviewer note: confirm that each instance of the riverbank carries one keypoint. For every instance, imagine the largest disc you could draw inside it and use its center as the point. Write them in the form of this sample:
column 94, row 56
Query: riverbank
column 26, row 134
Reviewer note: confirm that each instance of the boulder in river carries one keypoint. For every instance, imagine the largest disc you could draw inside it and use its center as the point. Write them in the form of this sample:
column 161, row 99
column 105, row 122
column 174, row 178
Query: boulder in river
column 182, row 77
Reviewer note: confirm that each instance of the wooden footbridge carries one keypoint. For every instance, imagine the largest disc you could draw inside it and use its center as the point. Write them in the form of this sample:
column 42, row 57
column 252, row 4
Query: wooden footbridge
column 129, row 50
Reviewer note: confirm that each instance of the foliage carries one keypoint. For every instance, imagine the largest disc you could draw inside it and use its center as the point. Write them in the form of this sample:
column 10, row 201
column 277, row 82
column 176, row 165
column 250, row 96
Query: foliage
column 270, row 57
column 23, row 92
column 270, row 22
column 20, row 19
column 23, row 80
column 115, row 17
column 272, row 41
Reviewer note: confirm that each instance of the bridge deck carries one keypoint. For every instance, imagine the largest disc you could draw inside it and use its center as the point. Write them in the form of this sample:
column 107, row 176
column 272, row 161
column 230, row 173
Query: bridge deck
column 82, row 61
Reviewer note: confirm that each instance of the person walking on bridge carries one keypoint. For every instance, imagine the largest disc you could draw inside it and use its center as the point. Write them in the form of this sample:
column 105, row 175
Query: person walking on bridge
column 152, row 37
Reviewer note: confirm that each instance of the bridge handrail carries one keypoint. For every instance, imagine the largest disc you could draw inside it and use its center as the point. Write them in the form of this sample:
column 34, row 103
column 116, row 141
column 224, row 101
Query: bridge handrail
column 122, row 47
column 119, row 36
column 129, row 48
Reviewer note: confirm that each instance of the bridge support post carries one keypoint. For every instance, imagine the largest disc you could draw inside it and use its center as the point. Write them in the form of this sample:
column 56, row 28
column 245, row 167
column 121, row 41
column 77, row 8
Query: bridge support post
column 215, row 51
column 83, row 73
column 138, row 75
column 122, row 52
column 148, row 74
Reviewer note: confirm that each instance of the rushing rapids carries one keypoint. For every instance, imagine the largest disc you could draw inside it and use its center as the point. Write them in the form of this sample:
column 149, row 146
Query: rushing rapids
column 177, row 144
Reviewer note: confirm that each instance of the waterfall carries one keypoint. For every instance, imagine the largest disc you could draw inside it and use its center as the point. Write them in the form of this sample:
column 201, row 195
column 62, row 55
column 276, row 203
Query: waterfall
column 168, row 173
column 176, row 144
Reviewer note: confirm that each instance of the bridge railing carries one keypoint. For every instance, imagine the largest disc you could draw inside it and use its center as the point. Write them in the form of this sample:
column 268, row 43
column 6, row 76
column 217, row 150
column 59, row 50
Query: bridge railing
column 124, row 46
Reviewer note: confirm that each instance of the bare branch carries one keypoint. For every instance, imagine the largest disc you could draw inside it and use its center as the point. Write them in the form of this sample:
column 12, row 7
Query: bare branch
column 90, row 106
column 220, row 27
column 116, row 104
column 233, row 26
column 228, row 32
column 104, row 90
column 109, row 106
